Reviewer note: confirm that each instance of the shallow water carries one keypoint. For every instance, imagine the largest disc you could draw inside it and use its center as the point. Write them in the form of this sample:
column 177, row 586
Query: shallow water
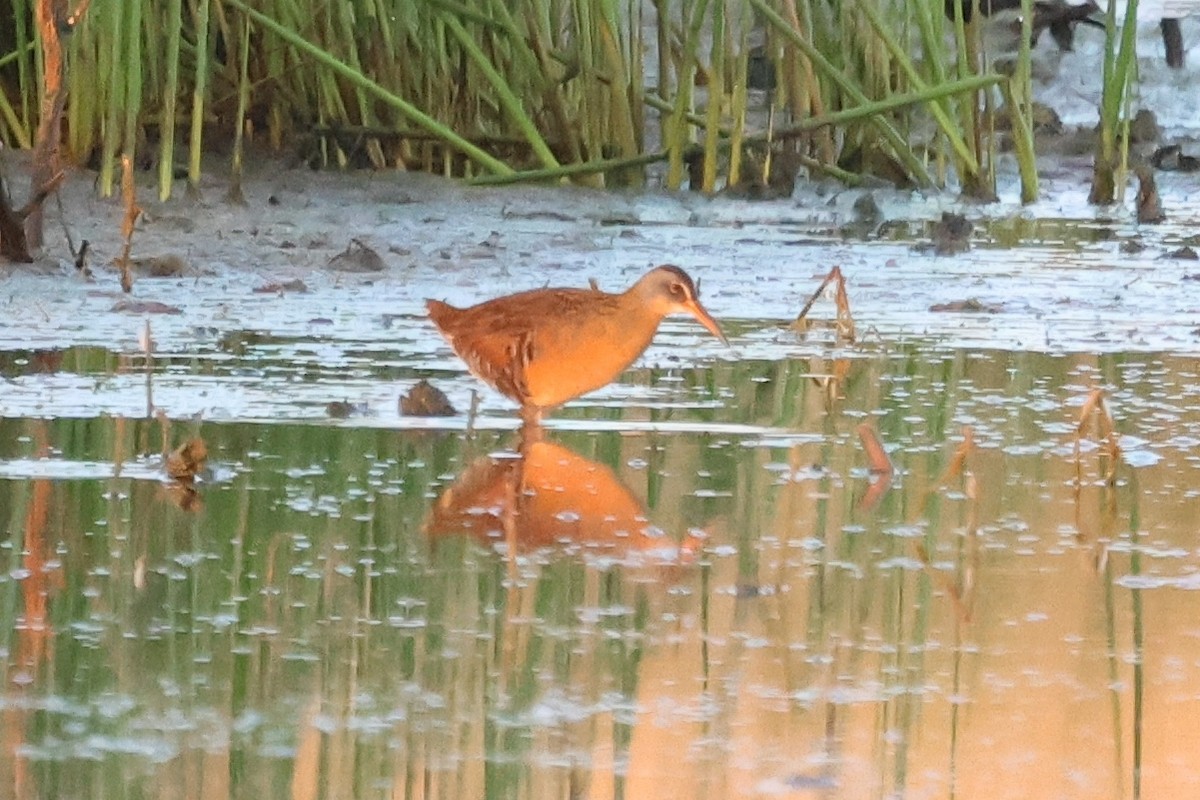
column 693, row 587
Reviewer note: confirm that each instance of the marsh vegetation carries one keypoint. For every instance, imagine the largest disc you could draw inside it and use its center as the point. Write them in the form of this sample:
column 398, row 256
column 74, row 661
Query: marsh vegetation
column 724, row 93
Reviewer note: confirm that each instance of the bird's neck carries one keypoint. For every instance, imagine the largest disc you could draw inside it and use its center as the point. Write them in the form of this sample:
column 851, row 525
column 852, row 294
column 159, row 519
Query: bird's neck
column 637, row 328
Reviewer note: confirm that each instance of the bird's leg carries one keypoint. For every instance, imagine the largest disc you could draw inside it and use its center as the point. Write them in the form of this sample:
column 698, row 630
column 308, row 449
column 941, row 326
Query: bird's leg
column 526, row 438
column 531, row 416
column 531, row 428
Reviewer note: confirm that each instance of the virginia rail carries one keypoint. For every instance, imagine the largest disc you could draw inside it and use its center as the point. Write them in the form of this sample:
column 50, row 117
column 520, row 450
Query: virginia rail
column 544, row 347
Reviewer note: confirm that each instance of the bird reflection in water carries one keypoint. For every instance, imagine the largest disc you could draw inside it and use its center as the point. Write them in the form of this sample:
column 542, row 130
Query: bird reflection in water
column 542, row 348
column 546, row 496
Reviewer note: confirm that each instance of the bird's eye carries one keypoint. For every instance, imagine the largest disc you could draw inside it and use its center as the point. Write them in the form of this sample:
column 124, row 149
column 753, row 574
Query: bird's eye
column 678, row 291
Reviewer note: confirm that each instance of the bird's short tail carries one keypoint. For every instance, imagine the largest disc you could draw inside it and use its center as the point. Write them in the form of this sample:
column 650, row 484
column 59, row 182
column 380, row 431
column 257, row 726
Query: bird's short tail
column 439, row 312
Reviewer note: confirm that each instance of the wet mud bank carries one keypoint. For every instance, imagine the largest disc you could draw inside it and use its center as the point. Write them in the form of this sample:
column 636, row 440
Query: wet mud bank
column 344, row 262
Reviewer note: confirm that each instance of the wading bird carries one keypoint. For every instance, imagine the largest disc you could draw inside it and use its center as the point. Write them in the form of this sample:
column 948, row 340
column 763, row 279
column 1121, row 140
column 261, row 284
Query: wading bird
column 544, row 347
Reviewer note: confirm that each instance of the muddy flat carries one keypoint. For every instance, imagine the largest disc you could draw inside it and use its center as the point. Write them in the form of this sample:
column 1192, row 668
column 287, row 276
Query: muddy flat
column 348, row 258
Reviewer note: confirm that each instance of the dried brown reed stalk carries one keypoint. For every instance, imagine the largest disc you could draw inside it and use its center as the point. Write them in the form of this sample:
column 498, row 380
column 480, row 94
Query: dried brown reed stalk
column 53, row 19
column 877, row 457
column 1095, row 407
column 33, row 625
column 831, row 382
column 132, row 212
column 844, row 326
column 962, row 591
column 15, row 243
column 879, row 465
column 185, row 461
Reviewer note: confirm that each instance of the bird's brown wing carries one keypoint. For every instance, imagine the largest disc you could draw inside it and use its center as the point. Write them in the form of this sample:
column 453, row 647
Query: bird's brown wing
column 499, row 338
column 489, row 341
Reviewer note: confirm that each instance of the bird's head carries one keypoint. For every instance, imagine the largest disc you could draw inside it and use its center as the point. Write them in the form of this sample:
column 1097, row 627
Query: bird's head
column 670, row 290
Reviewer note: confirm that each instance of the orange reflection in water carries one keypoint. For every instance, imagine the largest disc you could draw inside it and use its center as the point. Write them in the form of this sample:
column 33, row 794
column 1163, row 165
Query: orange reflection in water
column 549, row 496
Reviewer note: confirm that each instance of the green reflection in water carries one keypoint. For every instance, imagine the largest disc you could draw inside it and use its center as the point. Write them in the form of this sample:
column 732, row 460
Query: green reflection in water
column 366, row 612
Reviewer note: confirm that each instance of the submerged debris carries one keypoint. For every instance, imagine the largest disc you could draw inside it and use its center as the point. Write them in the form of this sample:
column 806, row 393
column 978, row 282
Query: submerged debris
column 1045, row 120
column 1149, row 205
column 281, row 287
column 867, row 218
column 952, row 234
column 1144, row 127
column 144, row 307
column 554, row 216
column 357, row 257
column 768, row 173
column 970, row 305
column 866, row 210
column 81, row 255
column 170, row 265
column 1171, row 158
column 958, row 468
column 1172, row 36
column 1184, row 253
column 760, row 69
column 341, row 409
column 949, row 236
column 426, row 400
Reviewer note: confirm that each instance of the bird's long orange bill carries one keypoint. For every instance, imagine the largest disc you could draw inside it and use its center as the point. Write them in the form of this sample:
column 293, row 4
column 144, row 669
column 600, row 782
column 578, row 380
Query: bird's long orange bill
column 698, row 311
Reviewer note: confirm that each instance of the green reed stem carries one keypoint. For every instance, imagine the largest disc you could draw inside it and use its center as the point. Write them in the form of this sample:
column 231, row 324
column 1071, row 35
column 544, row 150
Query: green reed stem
column 419, row 117
column 243, row 103
column 132, row 64
column 931, row 37
column 877, row 107
column 15, row 54
column 84, row 92
column 591, row 104
column 508, row 99
column 624, row 92
column 199, row 89
column 678, row 134
column 716, row 97
column 966, row 40
column 522, row 49
column 464, row 12
column 569, row 170
column 812, row 123
column 533, row 50
column 1018, row 96
column 898, row 144
column 1022, row 140
column 737, row 101
column 940, row 112
column 1119, row 62
column 26, row 41
column 170, row 88
column 636, row 78
column 1114, row 663
column 115, row 93
column 1139, row 626
column 347, row 24
column 20, row 130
